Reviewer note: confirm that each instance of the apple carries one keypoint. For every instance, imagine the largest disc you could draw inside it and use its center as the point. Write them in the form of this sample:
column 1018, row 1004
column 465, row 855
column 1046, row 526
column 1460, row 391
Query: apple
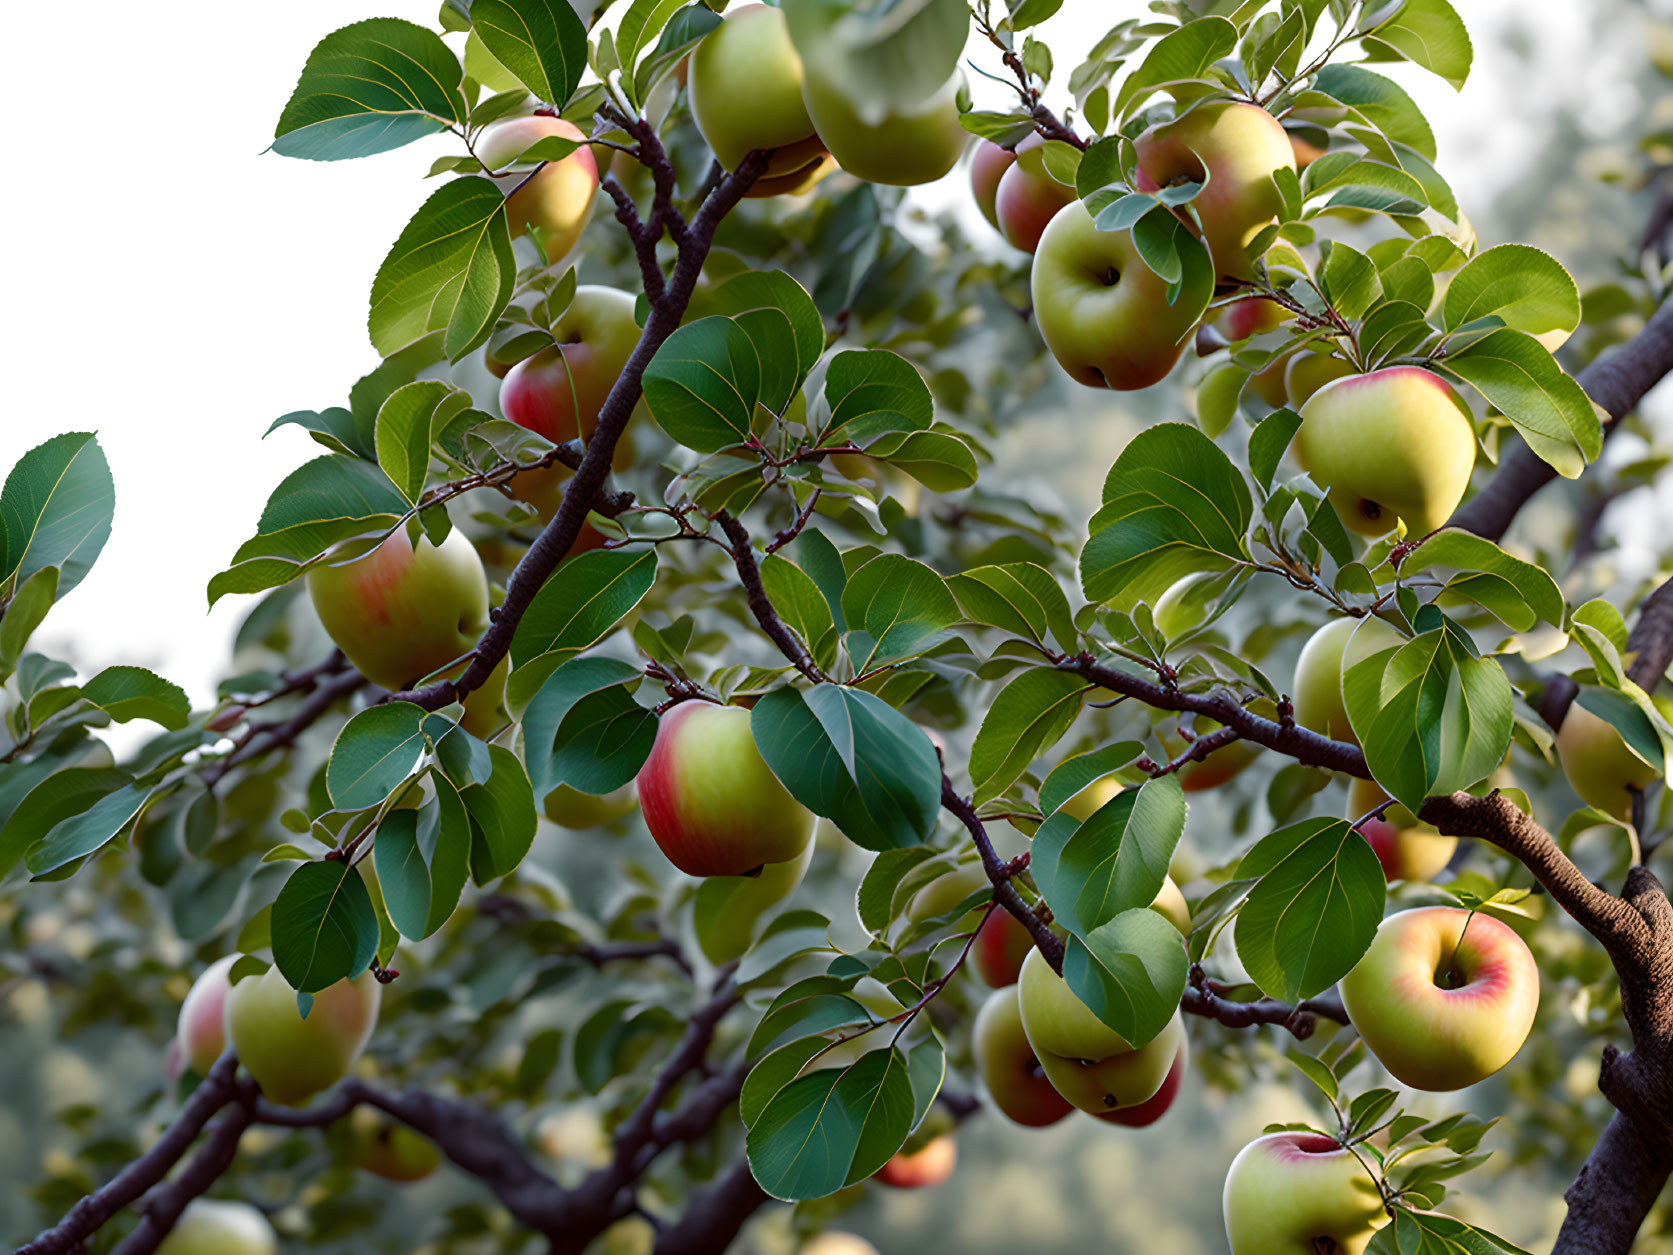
column 201, row 1033
column 1598, row 764
column 1090, row 800
column 1306, row 152
column 726, row 926
column 1317, row 693
column 292, row 1058
column 1267, row 383
column 1007, row 1066
column 1234, row 149
column 1029, row 198
column 1107, row 317
column 1087, row 1061
column 835, row 1243
column 1443, row 1005
column 1156, row 1106
column 1298, row 1193
column 903, row 148
column 745, row 89
column 946, row 891
column 1407, row 848
column 559, row 391
column 402, row 612
column 709, row 799
column 1251, row 316
column 988, row 163
column 571, row 808
column 484, row 711
column 1396, row 444
column 930, row 1165
column 573, row 1135
column 557, row 199
column 388, row 1149
column 1169, row 903
column 1307, row 372
column 213, row 1226
column 1001, row 944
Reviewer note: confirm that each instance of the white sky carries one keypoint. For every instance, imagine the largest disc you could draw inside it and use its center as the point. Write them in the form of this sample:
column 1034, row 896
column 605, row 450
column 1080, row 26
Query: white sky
column 175, row 289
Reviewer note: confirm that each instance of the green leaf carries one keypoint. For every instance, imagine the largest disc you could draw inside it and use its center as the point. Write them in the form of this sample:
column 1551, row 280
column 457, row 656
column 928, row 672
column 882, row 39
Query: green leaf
column 1381, row 102
column 451, row 270
column 1551, row 411
column 502, row 816
column 374, row 754
column 542, row 42
column 1526, row 288
column 407, row 427
column 874, row 901
column 324, row 928
column 1314, row 909
column 642, row 23
column 56, row 510
column 126, row 693
column 1535, row 593
column 802, row 606
column 1178, row 57
column 703, row 384
column 587, row 596
column 556, row 715
column 24, row 614
column 678, row 38
column 1173, row 504
column 872, row 391
column 1116, row 861
column 782, row 322
column 1032, row 711
column 81, row 834
column 1072, row 775
column 853, row 759
column 939, row 460
column 370, row 87
column 37, row 799
column 422, row 859
column 1130, row 972
column 1428, row 33
column 895, row 608
column 1017, row 597
column 1268, row 444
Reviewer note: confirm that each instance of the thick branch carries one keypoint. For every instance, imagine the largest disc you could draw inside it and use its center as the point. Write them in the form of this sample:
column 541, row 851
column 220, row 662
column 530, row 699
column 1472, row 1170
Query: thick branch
column 714, row 1215
column 1617, row 381
column 212, row 1159
column 1651, row 638
column 1204, row 997
column 1618, row 1184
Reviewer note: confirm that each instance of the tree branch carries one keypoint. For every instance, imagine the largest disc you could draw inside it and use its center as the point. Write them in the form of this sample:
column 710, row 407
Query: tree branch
column 264, row 738
column 212, row 1159
column 999, row 873
column 760, row 605
column 714, row 1215
column 1204, row 997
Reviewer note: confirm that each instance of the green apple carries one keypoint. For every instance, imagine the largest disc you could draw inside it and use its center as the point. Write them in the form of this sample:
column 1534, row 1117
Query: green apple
column 293, row 1059
column 1006, row 1064
column 988, row 163
column 1029, row 198
column 710, row 800
column 1090, row 800
column 559, row 391
column 1235, row 149
column 1307, row 372
column 1443, row 998
column 1396, row 444
column 1407, row 848
column 571, row 808
column 402, row 612
column 557, row 200
column 212, row 1226
column 1598, row 764
column 946, row 891
column 1087, row 1061
column 1001, row 944
column 1338, row 645
column 902, row 148
column 1108, row 319
column 1156, row 1106
column 729, row 909
column 1169, row 903
column 1299, row 1193
column 201, row 1032
column 745, row 89
column 388, row 1149
column 930, row 1165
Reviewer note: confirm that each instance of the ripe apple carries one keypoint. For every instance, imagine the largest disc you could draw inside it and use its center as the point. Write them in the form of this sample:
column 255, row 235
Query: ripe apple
column 1105, row 315
column 559, row 391
column 571, row 808
column 1296, row 1192
column 293, row 1059
column 988, row 163
column 903, row 148
column 1598, row 764
column 930, row 1165
column 1156, row 1106
column 1237, row 148
column 213, row 1226
column 1251, row 316
column 1001, row 944
column 710, row 800
column 1029, row 197
column 558, row 199
column 402, row 612
column 1088, row 1062
column 201, row 1033
column 1407, row 848
column 1006, row 1063
column 1307, row 372
column 745, row 89
column 1440, row 1004
column 1317, row 693
column 388, row 1149
column 726, row 927
column 1393, row 444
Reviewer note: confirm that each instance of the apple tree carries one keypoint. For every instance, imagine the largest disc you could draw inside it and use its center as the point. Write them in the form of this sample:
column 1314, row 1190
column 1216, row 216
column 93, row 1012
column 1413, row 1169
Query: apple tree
column 657, row 698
